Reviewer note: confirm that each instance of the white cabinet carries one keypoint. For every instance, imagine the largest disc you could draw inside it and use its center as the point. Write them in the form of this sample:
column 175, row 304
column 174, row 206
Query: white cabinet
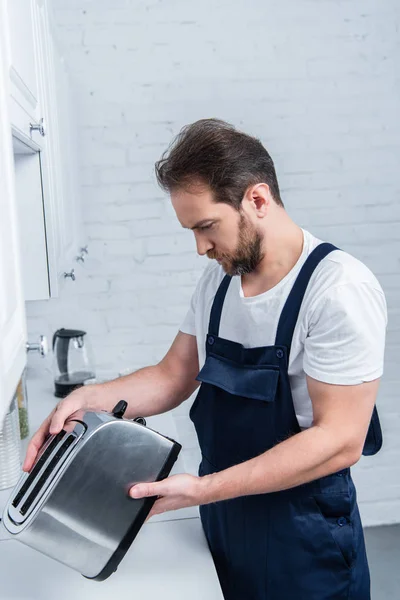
column 23, row 67
column 60, row 170
column 12, row 308
column 50, row 217
column 40, row 223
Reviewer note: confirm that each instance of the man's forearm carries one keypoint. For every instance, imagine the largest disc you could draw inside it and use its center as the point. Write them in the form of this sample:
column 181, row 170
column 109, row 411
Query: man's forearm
column 303, row 457
column 148, row 391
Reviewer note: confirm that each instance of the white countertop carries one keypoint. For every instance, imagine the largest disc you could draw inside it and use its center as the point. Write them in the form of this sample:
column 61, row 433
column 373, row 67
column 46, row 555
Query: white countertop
column 169, row 559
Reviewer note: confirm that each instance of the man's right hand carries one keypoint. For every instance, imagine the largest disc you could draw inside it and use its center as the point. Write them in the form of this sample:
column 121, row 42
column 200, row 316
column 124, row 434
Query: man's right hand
column 76, row 402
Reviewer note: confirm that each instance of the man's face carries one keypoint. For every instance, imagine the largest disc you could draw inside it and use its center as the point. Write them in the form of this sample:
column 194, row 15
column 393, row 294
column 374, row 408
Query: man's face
column 221, row 232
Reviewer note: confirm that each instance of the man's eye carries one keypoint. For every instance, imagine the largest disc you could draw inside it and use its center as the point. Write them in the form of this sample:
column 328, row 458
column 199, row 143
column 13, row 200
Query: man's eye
column 207, row 226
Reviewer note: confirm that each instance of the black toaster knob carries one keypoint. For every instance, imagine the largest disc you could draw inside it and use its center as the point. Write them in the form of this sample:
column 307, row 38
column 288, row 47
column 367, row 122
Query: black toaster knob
column 119, row 409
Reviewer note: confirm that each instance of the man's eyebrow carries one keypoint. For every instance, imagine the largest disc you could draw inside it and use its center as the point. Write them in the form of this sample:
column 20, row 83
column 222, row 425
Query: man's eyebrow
column 201, row 223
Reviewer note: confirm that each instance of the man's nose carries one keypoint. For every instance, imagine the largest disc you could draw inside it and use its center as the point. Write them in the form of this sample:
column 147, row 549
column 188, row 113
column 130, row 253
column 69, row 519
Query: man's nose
column 203, row 245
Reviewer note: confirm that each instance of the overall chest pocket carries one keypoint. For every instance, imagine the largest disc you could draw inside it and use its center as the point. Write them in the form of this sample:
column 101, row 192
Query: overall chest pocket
column 234, row 410
column 258, row 382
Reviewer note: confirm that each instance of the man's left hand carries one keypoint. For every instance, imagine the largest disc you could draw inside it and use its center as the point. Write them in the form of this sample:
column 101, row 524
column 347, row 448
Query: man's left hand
column 177, row 491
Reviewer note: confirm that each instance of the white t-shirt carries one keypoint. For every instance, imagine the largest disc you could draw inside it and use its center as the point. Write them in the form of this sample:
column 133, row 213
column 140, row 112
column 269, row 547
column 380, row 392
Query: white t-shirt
column 339, row 336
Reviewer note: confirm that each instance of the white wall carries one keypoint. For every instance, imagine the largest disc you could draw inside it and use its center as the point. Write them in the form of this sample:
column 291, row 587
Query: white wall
column 317, row 82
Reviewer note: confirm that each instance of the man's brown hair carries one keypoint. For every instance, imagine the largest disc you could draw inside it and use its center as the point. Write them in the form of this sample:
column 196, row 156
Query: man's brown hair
column 212, row 152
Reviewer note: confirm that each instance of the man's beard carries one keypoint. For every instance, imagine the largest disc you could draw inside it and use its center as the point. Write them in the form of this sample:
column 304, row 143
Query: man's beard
column 248, row 253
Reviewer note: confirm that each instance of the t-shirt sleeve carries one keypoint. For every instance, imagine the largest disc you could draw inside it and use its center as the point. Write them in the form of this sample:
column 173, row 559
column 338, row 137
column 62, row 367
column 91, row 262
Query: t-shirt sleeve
column 346, row 335
column 188, row 324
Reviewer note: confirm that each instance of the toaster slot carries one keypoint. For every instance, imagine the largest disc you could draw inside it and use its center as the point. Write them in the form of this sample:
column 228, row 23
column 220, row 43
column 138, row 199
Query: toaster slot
column 36, row 469
column 46, row 473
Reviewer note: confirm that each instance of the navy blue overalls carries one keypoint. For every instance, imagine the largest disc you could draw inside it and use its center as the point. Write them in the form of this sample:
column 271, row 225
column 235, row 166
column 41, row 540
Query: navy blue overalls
column 305, row 543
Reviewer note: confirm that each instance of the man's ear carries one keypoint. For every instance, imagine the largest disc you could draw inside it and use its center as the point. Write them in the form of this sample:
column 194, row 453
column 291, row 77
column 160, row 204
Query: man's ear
column 259, row 196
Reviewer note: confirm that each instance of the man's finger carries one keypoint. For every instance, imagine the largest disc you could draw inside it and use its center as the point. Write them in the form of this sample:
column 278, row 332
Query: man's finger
column 36, row 443
column 161, row 506
column 31, row 453
column 59, row 416
column 144, row 490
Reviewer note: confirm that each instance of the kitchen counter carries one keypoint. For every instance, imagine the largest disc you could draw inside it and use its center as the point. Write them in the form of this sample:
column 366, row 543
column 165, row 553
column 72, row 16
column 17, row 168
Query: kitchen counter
column 169, row 559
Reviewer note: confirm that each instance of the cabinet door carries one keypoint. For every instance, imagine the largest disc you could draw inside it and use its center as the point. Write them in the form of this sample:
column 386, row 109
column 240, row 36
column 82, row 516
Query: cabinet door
column 31, row 224
column 50, row 163
column 21, row 35
column 12, row 308
column 57, row 223
column 69, row 201
column 59, row 158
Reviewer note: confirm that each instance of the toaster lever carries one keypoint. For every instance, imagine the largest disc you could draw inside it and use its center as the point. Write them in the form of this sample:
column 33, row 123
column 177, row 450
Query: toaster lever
column 119, row 409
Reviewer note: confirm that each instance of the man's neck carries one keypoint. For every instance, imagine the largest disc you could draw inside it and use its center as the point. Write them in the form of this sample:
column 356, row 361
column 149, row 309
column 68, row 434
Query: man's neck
column 283, row 250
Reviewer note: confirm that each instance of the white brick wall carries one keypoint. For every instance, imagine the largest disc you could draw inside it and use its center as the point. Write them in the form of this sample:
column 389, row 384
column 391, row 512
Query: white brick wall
column 317, row 82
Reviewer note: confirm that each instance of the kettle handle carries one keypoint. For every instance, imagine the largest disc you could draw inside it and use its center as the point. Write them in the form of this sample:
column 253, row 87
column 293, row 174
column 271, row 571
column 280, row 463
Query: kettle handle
column 54, row 337
column 62, row 355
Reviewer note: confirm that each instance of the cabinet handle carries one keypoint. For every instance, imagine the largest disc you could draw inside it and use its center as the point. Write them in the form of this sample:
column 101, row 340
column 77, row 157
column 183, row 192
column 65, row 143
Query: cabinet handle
column 70, row 274
column 40, row 127
column 42, row 347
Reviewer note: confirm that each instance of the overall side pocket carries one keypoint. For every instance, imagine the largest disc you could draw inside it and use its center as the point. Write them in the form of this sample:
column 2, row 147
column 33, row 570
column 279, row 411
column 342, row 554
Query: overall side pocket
column 334, row 512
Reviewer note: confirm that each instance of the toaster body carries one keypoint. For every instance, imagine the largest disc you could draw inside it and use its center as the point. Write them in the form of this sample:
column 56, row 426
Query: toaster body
column 74, row 505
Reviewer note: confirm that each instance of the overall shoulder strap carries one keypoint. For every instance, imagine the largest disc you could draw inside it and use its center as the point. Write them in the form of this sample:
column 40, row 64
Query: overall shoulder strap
column 216, row 309
column 291, row 309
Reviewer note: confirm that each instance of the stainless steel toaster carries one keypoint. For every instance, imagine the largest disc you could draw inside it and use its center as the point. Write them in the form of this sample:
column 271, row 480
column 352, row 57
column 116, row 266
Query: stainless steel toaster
column 74, row 505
